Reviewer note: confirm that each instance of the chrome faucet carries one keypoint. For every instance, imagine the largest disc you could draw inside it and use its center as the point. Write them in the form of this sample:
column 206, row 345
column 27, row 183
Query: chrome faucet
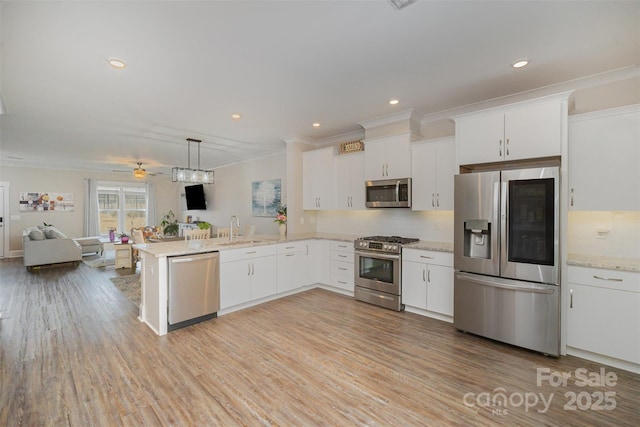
column 231, row 227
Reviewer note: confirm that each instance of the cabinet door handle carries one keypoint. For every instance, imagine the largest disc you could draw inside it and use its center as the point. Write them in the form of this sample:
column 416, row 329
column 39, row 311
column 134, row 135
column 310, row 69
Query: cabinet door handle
column 507, row 146
column 289, row 247
column 341, row 282
column 342, row 256
column 383, row 169
column 433, row 200
column 611, row 279
column 249, row 269
column 424, row 275
column 570, row 298
column 571, row 203
column 426, row 257
column 437, row 200
column 289, row 254
column 342, row 268
column 253, row 268
column 307, row 245
column 428, row 276
column 500, row 147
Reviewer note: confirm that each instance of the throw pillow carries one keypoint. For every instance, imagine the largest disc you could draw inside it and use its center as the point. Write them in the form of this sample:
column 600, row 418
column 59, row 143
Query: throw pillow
column 36, row 235
column 53, row 233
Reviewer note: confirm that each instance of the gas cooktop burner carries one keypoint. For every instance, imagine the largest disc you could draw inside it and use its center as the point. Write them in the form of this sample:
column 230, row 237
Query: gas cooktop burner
column 386, row 244
column 390, row 239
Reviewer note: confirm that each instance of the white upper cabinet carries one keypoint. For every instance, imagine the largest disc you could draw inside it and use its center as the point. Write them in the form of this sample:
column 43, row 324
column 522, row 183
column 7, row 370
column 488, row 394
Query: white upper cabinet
column 388, row 158
column 318, row 179
column 349, row 185
column 526, row 130
column 433, row 167
column 604, row 160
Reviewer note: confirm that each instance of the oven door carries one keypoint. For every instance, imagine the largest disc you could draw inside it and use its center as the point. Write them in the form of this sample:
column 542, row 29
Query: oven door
column 376, row 271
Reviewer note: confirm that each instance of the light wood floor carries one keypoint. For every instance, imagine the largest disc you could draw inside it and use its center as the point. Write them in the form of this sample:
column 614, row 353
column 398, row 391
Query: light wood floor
column 73, row 353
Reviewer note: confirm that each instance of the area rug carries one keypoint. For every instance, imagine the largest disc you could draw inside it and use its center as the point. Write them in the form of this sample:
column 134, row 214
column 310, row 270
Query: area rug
column 130, row 287
column 96, row 261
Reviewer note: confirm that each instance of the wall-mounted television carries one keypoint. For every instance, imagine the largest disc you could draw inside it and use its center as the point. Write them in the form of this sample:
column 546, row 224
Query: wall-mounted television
column 195, row 197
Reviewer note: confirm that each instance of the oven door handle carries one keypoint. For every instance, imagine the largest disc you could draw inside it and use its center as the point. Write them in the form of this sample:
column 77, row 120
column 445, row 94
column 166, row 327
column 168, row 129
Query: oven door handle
column 397, row 191
column 377, row 255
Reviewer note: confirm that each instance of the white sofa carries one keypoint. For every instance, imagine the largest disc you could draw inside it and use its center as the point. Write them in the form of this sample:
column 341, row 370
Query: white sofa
column 47, row 245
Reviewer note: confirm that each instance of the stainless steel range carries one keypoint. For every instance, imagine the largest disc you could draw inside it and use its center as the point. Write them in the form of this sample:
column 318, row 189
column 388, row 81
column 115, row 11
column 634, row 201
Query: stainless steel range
column 378, row 270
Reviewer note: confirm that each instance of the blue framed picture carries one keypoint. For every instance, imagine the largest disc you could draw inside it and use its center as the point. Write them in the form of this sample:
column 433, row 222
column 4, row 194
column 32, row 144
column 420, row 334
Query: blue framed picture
column 266, row 197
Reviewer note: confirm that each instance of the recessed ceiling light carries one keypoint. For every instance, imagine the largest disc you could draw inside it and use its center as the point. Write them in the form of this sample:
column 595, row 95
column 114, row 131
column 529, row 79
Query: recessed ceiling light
column 117, row 63
column 316, row 125
column 520, row 63
column 393, row 101
column 236, row 116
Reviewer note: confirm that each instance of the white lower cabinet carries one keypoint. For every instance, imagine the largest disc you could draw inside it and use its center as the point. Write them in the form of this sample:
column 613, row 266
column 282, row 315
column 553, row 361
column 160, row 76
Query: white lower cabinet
column 247, row 274
column 427, row 280
column 292, row 265
column 342, row 265
column 603, row 314
column 318, row 262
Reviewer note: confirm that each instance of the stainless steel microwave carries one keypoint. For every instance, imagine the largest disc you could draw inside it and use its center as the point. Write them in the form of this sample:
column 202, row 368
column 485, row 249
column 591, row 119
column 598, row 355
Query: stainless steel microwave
column 388, row 193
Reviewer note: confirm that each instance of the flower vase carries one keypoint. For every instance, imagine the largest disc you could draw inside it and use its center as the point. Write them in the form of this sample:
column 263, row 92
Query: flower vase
column 283, row 229
column 112, row 235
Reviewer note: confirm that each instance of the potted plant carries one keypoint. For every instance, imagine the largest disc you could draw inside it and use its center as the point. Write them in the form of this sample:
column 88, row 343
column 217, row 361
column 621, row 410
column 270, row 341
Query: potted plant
column 124, row 238
column 169, row 224
column 281, row 219
column 204, row 225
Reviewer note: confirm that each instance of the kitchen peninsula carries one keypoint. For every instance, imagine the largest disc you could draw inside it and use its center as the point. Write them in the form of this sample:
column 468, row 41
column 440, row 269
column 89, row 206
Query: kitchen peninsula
column 248, row 270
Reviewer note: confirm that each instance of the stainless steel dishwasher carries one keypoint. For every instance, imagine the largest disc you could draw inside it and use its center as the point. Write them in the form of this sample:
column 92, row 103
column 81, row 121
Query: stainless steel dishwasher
column 194, row 289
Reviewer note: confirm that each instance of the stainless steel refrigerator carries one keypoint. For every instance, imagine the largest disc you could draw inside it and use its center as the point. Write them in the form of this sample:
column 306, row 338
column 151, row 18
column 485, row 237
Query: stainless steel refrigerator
column 506, row 256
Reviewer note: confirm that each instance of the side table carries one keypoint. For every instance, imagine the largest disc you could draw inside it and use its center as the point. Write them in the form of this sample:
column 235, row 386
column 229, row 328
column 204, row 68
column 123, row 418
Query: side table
column 123, row 255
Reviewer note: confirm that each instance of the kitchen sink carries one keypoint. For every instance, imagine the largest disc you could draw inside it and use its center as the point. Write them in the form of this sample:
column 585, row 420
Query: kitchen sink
column 249, row 242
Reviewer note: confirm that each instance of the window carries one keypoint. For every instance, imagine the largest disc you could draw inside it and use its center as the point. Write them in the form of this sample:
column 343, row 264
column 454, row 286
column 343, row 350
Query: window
column 121, row 207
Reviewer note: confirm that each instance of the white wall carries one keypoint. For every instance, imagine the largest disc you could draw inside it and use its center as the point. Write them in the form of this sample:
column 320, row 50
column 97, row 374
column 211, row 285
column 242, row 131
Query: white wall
column 611, row 234
column 231, row 193
column 431, row 226
column 26, row 179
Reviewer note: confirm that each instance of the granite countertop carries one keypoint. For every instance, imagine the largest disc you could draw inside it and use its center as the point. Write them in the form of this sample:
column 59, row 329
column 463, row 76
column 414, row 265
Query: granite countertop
column 182, row 247
column 430, row 246
column 609, row 263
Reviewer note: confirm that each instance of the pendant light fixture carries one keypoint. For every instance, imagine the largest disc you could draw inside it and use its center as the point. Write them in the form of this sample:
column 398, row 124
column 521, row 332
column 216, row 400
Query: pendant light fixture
column 192, row 176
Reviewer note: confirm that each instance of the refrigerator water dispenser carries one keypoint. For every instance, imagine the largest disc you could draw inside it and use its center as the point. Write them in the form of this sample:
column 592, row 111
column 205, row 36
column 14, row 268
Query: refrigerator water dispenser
column 477, row 238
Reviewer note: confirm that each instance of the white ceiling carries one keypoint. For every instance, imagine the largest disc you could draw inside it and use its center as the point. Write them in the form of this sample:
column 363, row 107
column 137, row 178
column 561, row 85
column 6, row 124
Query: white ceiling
column 282, row 64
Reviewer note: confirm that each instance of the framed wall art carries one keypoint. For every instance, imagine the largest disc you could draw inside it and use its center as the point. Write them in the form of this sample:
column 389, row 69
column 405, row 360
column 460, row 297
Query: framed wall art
column 266, row 197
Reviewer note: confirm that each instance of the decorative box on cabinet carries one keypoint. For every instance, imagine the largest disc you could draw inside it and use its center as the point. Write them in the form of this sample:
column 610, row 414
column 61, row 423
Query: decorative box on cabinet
column 342, row 258
column 433, row 167
column 247, row 274
column 427, row 282
column 525, row 130
column 388, row 157
column 603, row 316
column 604, row 159
column 318, row 179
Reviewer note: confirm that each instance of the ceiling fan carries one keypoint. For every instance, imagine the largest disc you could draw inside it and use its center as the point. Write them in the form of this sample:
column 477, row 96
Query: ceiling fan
column 139, row 172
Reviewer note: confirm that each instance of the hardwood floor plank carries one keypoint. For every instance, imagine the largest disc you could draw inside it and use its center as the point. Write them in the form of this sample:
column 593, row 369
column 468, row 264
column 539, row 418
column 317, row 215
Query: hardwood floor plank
column 72, row 352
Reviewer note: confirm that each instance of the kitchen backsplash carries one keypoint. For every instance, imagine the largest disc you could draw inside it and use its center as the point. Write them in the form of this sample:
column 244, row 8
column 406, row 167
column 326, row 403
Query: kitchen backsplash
column 436, row 226
column 603, row 233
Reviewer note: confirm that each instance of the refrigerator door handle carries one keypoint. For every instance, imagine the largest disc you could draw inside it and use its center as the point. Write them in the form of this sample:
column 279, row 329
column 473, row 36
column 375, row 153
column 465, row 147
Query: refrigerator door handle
column 504, row 248
column 504, row 284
